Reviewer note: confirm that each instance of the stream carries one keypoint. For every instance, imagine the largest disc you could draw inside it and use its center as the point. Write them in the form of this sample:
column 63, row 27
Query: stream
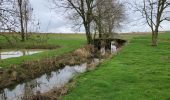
column 45, row 83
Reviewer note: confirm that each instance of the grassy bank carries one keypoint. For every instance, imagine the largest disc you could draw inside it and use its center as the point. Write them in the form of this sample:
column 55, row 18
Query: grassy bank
column 138, row 72
column 66, row 43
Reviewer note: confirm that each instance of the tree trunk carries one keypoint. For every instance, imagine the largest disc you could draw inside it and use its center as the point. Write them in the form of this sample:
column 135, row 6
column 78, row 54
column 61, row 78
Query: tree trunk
column 110, row 31
column 88, row 34
column 21, row 21
column 154, row 37
column 22, row 30
column 26, row 29
column 99, row 25
column 154, row 41
column 26, row 21
column 100, row 31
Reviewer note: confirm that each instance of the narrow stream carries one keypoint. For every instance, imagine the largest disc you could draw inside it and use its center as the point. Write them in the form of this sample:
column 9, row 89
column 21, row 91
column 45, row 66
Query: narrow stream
column 18, row 53
column 45, row 83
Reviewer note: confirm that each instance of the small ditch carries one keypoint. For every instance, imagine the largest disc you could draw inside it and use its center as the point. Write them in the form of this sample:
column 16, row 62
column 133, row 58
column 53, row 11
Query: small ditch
column 22, row 83
column 56, row 79
column 67, row 66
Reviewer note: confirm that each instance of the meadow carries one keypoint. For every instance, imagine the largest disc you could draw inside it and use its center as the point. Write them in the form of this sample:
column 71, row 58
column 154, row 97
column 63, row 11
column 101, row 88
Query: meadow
column 64, row 43
column 138, row 72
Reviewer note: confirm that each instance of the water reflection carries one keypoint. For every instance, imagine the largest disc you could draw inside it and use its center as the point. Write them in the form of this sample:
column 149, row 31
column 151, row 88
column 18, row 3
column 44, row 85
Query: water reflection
column 0, row 55
column 11, row 54
column 42, row 84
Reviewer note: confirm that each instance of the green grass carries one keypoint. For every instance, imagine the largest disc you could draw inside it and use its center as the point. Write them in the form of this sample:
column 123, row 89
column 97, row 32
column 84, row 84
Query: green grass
column 138, row 72
column 68, row 43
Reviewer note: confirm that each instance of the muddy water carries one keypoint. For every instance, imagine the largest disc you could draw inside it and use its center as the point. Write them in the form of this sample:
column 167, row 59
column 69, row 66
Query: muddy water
column 12, row 54
column 46, row 82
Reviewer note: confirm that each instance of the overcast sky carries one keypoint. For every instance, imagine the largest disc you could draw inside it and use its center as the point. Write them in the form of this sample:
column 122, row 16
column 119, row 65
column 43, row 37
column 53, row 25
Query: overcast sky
column 50, row 21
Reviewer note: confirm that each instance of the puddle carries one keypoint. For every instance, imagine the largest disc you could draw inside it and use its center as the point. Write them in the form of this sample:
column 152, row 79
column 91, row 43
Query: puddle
column 45, row 83
column 19, row 53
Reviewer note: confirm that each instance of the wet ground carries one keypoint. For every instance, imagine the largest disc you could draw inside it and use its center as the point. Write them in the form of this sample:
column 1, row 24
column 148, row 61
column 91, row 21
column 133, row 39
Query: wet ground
column 5, row 54
column 56, row 79
column 83, row 57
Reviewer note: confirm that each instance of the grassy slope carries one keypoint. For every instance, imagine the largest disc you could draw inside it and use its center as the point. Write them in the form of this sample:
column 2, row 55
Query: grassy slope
column 138, row 72
column 67, row 43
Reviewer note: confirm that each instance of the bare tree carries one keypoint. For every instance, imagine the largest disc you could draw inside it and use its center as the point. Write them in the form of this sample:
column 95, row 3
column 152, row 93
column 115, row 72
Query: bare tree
column 155, row 12
column 21, row 18
column 108, row 15
column 7, row 21
column 23, row 13
column 97, row 15
column 15, row 15
column 104, row 14
column 28, row 10
column 81, row 10
column 115, row 15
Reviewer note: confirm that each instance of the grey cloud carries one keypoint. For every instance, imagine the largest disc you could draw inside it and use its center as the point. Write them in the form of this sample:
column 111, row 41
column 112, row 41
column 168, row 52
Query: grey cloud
column 58, row 23
column 50, row 21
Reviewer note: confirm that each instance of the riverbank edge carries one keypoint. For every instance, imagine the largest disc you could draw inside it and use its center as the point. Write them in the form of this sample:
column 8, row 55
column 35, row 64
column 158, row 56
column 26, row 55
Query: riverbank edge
column 31, row 69
column 58, row 93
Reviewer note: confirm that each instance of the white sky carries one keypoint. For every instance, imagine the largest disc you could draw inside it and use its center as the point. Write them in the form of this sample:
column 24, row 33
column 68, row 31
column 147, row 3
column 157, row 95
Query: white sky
column 56, row 22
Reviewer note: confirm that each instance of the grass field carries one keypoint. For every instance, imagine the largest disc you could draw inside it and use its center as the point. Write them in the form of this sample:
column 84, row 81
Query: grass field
column 67, row 43
column 138, row 72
